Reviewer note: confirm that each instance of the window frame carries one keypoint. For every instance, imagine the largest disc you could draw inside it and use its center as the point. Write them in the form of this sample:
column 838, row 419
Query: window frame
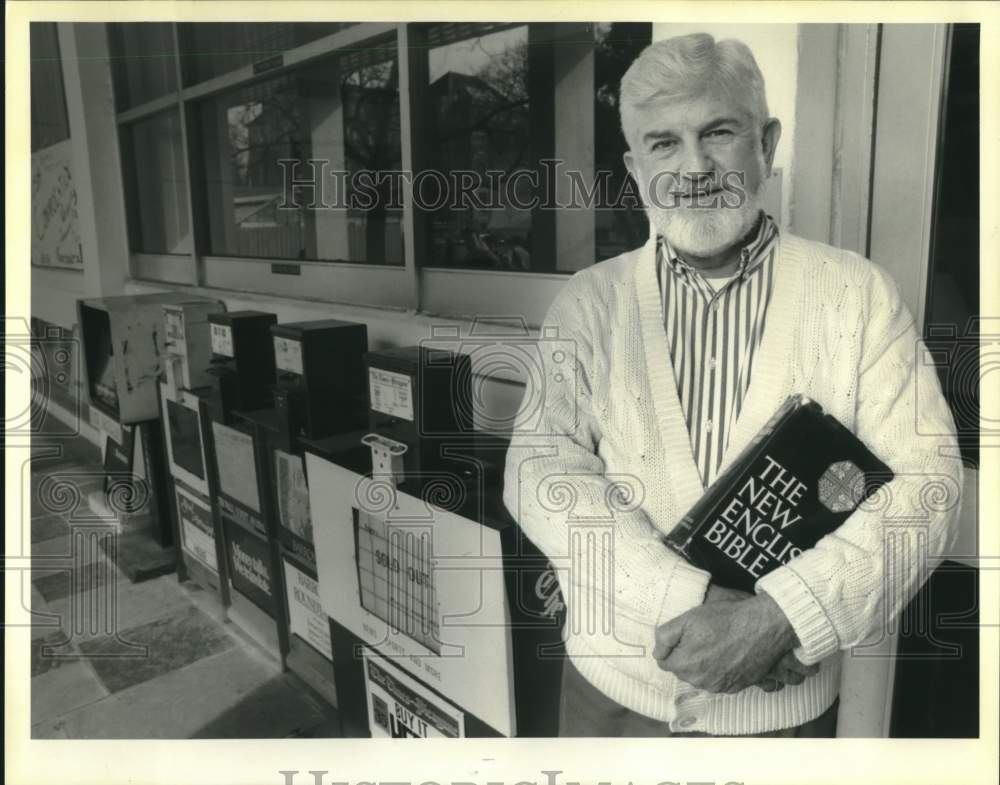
column 416, row 285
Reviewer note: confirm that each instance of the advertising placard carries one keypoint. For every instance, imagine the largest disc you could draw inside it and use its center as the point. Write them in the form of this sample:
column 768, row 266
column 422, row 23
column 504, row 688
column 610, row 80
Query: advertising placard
column 400, row 707
column 305, row 612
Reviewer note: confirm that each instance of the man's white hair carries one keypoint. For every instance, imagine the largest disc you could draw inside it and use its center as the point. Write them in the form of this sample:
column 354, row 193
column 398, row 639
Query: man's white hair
column 685, row 66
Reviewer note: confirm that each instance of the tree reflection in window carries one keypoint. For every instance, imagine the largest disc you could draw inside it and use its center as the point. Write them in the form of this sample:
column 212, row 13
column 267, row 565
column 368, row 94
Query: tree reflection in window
column 480, row 98
column 342, row 115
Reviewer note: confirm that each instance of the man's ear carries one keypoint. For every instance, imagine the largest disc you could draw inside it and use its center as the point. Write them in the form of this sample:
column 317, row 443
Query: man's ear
column 769, row 137
column 629, row 158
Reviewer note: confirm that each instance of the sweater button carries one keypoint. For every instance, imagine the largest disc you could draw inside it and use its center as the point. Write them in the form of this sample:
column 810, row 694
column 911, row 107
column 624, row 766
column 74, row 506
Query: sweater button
column 687, row 722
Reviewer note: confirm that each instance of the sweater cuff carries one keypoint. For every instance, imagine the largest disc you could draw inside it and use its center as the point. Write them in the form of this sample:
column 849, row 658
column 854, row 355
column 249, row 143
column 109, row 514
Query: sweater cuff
column 686, row 588
column 817, row 636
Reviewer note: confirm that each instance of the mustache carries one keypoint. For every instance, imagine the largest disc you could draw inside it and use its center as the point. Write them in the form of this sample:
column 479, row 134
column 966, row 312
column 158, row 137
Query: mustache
column 673, row 186
column 697, row 191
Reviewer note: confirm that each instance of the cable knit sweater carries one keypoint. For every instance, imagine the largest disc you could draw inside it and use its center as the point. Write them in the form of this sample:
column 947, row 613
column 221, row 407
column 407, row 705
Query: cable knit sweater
column 602, row 468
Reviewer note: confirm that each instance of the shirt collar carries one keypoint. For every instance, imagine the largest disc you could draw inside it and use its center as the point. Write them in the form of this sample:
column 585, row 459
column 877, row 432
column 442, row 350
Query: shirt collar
column 751, row 255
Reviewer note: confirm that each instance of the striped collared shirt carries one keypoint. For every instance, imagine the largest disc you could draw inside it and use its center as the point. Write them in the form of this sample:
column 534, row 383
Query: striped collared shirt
column 713, row 336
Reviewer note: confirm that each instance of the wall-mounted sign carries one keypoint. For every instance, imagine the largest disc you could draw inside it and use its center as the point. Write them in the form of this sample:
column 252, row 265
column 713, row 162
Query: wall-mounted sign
column 305, row 612
column 401, row 707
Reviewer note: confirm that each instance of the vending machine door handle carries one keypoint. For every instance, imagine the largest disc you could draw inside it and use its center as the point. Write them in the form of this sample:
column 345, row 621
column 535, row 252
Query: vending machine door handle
column 387, row 457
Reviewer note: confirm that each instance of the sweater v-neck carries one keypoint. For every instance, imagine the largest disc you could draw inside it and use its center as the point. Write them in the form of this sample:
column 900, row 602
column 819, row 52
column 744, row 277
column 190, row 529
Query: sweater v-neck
column 771, row 375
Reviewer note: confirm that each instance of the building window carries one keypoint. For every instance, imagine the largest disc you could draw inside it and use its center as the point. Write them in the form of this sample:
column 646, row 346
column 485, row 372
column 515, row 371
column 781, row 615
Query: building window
column 49, row 123
column 143, row 62
column 158, row 189
column 262, row 141
column 210, row 49
column 306, row 157
column 488, row 96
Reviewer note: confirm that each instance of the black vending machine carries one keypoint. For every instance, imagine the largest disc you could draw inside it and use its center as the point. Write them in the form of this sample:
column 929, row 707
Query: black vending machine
column 242, row 368
column 319, row 392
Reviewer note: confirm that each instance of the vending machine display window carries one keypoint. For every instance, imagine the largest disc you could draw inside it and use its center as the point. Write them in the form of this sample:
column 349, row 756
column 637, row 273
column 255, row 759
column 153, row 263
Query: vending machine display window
column 197, row 532
column 184, row 430
column 185, row 446
column 237, row 468
column 292, row 495
column 99, row 360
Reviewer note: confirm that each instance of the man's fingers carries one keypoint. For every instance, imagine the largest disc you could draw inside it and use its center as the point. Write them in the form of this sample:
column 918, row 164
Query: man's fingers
column 792, row 663
column 771, row 684
column 721, row 594
column 788, row 670
column 667, row 637
column 789, row 676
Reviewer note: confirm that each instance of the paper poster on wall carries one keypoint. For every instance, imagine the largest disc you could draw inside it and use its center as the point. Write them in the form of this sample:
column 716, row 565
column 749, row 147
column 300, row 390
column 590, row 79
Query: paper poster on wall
column 237, row 469
column 197, row 531
column 400, row 707
column 55, row 233
column 305, row 613
column 293, row 494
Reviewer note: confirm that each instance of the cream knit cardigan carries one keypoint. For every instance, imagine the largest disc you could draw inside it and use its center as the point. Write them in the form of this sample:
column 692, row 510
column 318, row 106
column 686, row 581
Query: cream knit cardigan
column 603, row 467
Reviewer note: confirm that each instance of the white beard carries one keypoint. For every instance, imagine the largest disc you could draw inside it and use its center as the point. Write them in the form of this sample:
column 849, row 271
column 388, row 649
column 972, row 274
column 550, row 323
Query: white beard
column 704, row 231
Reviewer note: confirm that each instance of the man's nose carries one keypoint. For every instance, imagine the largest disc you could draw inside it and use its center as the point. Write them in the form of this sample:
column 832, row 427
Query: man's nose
column 697, row 167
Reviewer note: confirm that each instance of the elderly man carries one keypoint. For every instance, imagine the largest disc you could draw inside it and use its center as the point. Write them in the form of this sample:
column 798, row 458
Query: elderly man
column 684, row 349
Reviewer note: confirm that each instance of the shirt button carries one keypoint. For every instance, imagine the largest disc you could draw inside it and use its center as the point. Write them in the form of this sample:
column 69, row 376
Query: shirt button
column 708, row 426
column 711, row 363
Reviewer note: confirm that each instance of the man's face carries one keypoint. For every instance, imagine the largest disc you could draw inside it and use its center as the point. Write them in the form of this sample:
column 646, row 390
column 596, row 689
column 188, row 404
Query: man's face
column 701, row 164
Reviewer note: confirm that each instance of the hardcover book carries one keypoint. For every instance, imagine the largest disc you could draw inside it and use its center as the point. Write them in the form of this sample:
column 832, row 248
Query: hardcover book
column 799, row 479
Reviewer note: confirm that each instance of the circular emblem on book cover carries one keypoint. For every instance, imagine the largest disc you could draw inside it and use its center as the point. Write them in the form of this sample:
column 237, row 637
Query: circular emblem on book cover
column 842, row 487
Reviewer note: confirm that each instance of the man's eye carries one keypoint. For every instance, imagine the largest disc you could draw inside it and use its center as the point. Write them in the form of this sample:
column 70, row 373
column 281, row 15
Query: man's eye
column 719, row 133
column 663, row 144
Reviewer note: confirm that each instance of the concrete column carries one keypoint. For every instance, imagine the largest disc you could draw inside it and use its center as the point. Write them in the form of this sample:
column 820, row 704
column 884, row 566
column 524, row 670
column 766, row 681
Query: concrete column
column 96, row 163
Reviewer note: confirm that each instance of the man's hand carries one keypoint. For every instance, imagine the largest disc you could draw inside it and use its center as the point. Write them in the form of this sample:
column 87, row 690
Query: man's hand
column 788, row 670
column 727, row 644
column 722, row 594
